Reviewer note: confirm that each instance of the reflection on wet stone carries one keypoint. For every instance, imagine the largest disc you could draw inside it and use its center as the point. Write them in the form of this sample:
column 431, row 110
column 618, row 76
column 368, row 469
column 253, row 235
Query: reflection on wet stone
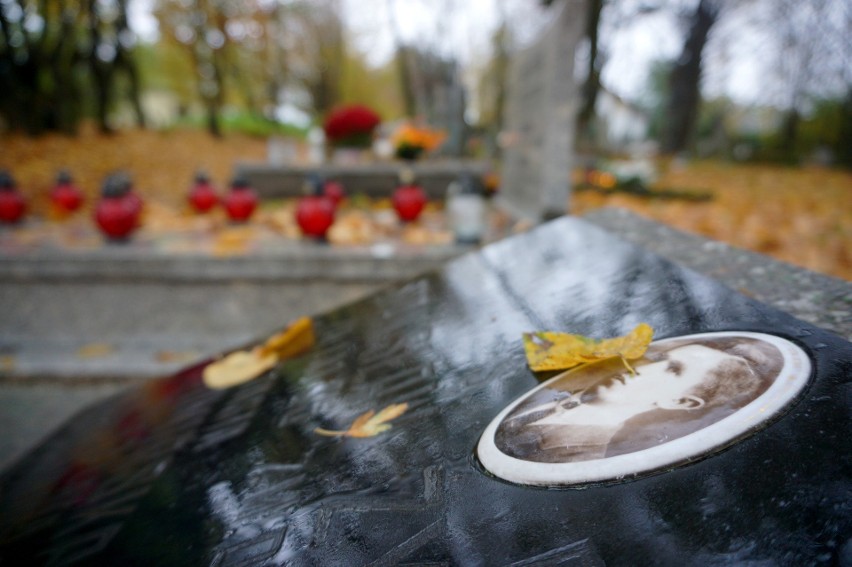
column 233, row 418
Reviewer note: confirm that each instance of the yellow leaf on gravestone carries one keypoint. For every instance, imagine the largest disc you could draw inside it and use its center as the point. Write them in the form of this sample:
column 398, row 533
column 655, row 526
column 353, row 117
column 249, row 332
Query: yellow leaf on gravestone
column 368, row 424
column 297, row 338
column 244, row 365
column 560, row 351
column 237, row 368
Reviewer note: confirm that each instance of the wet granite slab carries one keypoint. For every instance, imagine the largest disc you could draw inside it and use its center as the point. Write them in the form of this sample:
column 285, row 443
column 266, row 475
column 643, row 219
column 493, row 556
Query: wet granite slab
column 171, row 473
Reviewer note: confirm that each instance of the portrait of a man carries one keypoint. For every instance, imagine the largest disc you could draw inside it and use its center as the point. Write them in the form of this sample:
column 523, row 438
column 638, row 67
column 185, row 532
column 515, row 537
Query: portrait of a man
column 603, row 410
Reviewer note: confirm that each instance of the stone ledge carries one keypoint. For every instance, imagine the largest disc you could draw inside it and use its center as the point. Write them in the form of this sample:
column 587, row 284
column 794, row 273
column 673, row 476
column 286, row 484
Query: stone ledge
column 378, row 263
column 377, row 179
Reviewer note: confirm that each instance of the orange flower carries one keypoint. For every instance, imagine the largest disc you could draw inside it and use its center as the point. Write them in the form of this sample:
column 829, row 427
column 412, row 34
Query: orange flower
column 424, row 139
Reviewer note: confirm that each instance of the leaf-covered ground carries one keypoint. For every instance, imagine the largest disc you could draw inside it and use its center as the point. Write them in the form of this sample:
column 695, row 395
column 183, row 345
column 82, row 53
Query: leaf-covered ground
column 800, row 215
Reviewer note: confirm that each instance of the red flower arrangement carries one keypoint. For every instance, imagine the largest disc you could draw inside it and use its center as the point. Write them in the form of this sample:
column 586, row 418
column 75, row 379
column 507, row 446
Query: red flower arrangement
column 351, row 126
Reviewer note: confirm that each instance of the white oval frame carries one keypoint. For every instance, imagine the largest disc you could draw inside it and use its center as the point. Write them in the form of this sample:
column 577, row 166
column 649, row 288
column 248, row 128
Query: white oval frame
column 792, row 378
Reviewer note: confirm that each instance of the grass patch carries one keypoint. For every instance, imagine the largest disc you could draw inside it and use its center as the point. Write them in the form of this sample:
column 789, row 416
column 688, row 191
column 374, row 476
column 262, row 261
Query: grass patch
column 245, row 123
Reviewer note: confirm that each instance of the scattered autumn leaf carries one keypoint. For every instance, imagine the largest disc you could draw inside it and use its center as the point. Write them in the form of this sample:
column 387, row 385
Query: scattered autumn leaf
column 297, row 338
column 244, row 365
column 418, row 234
column 231, row 243
column 7, row 363
column 95, row 350
column 355, row 227
column 168, row 356
column 237, row 368
column 560, row 351
column 368, row 424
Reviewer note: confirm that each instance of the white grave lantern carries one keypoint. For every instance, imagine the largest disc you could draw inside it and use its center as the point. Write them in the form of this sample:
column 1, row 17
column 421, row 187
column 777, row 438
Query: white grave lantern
column 466, row 209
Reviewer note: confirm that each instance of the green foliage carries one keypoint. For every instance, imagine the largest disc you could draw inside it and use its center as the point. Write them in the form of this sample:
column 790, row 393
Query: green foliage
column 78, row 61
column 243, row 122
column 829, row 127
column 165, row 66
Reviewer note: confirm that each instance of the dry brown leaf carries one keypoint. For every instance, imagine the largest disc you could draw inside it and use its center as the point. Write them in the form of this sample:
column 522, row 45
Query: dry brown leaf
column 95, row 350
column 560, row 351
column 368, row 424
column 418, row 234
column 237, row 368
column 234, row 241
column 354, row 227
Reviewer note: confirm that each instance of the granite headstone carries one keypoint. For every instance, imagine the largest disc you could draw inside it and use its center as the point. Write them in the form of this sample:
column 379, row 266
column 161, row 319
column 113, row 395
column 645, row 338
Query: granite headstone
column 173, row 473
column 540, row 118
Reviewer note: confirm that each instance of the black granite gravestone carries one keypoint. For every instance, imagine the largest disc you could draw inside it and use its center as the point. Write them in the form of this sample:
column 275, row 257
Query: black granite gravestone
column 175, row 474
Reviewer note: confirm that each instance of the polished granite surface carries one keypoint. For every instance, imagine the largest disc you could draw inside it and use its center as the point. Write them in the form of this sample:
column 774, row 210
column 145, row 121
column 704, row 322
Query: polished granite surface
column 172, row 473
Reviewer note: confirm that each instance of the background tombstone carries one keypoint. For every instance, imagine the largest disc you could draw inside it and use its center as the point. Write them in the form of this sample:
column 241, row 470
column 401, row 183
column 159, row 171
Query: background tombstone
column 540, row 119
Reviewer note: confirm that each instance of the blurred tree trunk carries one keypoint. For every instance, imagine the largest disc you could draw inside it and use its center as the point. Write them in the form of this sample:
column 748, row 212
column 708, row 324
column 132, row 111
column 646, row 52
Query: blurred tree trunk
column 198, row 28
column 685, row 81
column 402, row 63
column 276, row 60
column 501, row 69
column 12, row 75
column 27, row 90
column 592, row 85
column 332, row 50
column 64, row 58
column 212, row 95
column 790, row 134
column 125, row 62
column 403, row 68
column 42, row 67
column 101, row 67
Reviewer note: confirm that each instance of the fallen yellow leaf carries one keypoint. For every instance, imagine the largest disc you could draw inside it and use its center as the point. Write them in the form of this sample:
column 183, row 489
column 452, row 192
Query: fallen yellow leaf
column 237, row 368
column 233, row 241
column 7, row 362
column 244, row 365
column 368, row 424
column 560, row 351
column 167, row 356
column 95, row 350
column 297, row 338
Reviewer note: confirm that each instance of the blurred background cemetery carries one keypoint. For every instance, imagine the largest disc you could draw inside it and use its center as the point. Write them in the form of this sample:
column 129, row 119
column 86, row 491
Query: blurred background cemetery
column 727, row 118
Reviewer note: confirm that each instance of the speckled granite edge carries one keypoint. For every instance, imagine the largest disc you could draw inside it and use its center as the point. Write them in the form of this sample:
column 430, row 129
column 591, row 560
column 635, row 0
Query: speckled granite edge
column 821, row 300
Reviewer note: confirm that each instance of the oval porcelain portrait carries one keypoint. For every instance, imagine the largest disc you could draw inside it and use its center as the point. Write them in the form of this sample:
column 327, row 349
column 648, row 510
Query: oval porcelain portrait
column 689, row 396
